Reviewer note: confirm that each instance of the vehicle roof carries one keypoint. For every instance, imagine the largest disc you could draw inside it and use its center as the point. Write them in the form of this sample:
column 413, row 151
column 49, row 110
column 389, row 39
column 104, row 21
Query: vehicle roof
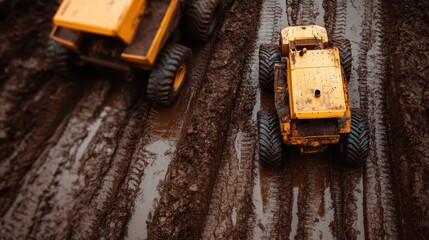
column 96, row 16
column 316, row 70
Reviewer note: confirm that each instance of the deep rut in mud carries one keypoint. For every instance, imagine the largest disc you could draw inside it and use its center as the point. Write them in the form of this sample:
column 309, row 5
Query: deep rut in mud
column 89, row 158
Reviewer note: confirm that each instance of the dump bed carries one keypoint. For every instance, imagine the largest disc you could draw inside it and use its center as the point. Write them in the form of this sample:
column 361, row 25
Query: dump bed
column 107, row 17
column 316, row 85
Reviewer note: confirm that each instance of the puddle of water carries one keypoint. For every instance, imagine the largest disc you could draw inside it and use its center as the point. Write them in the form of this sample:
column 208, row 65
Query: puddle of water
column 325, row 217
column 234, row 216
column 355, row 13
column 238, row 147
column 320, row 12
column 92, row 130
column 358, row 194
column 294, row 224
column 148, row 194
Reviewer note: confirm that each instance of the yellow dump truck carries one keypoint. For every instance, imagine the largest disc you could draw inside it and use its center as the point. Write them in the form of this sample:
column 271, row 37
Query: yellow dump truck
column 128, row 35
column 311, row 98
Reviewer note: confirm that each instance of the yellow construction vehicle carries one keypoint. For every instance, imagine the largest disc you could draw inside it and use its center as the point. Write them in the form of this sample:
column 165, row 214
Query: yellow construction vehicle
column 128, row 35
column 311, row 98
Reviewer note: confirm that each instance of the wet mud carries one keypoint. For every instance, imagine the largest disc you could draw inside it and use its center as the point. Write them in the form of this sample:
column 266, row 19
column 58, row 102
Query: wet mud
column 87, row 157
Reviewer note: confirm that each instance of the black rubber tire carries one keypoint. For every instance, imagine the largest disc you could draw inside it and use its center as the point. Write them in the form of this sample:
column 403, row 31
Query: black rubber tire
column 270, row 139
column 345, row 48
column 357, row 144
column 60, row 59
column 201, row 19
column 160, row 89
column 269, row 54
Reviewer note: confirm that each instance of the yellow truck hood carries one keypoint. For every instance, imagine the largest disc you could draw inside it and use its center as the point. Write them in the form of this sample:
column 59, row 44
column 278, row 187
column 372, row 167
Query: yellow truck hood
column 118, row 18
column 316, row 70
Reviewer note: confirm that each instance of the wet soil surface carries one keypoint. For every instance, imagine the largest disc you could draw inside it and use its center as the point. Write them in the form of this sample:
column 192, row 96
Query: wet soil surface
column 87, row 157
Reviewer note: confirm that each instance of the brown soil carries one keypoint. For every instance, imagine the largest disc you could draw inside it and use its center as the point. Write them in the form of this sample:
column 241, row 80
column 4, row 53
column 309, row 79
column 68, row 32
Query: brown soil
column 87, row 157
column 192, row 173
column 408, row 89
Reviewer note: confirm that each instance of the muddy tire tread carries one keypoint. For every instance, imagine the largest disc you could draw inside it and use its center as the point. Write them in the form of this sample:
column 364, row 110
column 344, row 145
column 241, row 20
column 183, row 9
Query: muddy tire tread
column 59, row 59
column 161, row 80
column 345, row 48
column 270, row 140
column 269, row 54
column 358, row 141
column 199, row 17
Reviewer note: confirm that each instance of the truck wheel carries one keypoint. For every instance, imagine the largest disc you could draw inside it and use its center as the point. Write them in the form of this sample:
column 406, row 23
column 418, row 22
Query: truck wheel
column 270, row 139
column 60, row 59
column 345, row 48
column 268, row 55
column 357, row 145
column 169, row 74
column 201, row 19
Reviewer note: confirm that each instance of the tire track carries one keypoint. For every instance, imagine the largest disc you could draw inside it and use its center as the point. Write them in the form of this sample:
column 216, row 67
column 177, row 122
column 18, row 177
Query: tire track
column 380, row 197
column 231, row 204
column 105, row 162
column 138, row 195
column 43, row 115
column 192, row 172
column 313, row 217
column 301, row 12
column 345, row 188
column 32, row 200
column 268, row 201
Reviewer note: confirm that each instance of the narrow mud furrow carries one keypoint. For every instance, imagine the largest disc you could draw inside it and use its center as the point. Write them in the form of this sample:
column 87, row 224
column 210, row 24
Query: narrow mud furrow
column 408, row 110
column 104, row 162
column 231, row 204
column 22, row 68
column 381, row 219
column 271, row 208
column 43, row 116
column 313, row 220
column 14, row 97
column 301, row 12
column 192, row 171
column 32, row 200
column 138, row 196
column 345, row 187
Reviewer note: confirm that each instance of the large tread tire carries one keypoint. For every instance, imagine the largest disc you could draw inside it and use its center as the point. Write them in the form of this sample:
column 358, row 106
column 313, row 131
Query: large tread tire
column 270, row 139
column 269, row 54
column 160, row 89
column 60, row 59
column 345, row 48
column 357, row 146
column 201, row 19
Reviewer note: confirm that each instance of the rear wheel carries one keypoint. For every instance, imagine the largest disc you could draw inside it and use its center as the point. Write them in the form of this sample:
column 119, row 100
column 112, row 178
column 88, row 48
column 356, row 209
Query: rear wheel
column 60, row 59
column 356, row 147
column 201, row 18
column 269, row 54
column 270, row 139
column 169, row 74
column 345, row 48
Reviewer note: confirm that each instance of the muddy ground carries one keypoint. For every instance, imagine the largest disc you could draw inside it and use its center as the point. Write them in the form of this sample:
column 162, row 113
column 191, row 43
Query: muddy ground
column 87, row 157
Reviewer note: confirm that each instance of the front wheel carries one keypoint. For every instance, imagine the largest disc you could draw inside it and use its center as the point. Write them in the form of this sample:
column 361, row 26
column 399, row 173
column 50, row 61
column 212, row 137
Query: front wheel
column 345, row 48
column 201, row 19
column 269, row 54
column 60, row 59
column 169, row 74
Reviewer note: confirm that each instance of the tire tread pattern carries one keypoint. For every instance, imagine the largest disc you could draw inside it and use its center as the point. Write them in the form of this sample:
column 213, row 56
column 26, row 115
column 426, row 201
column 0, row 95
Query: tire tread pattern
column 268, row 55
column 199, row 17
column 160, row 84
column 59, row 59
column 270, row 140
column 345, row 48
column 358, row 141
